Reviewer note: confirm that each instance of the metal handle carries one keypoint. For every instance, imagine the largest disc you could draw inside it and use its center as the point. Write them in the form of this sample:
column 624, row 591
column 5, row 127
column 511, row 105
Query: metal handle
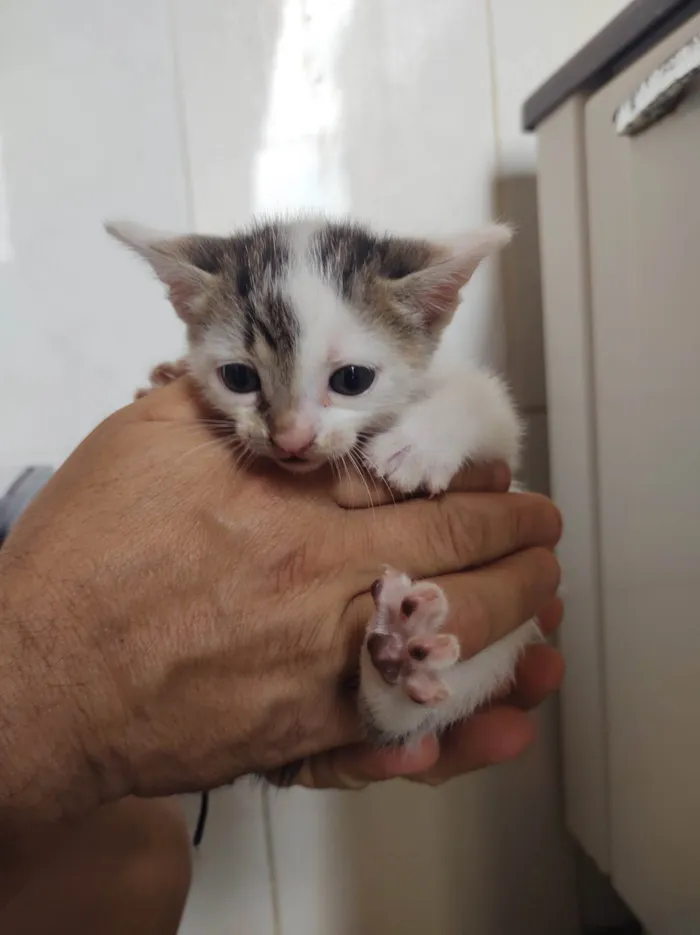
column 661, row 92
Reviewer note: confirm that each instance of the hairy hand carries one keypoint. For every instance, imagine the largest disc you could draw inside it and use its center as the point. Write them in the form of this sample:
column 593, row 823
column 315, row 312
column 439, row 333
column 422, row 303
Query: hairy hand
column 496, row 734
column 171, row 621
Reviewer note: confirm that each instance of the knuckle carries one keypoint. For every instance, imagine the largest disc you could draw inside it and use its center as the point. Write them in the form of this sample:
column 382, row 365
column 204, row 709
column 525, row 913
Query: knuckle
column 540, row 522
column 558, row 521
column 546, row 569
column 289, row 567
column 301, row 560
column 456, row 528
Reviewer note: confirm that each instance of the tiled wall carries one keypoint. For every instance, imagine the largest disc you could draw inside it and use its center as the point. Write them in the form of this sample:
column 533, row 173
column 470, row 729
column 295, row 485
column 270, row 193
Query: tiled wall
column 199, row 112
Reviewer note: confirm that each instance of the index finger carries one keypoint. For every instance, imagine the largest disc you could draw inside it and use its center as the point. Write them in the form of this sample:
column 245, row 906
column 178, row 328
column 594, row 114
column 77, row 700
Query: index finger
column 426, row 538
column 178, row 401
column 355, row 490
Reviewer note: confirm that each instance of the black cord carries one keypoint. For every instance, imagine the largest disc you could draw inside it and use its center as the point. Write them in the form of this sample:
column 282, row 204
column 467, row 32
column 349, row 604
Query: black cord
column 201, row 820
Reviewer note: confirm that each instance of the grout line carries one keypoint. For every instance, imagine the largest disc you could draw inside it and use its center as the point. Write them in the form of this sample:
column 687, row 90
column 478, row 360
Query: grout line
column 493, row 80
column 181, row 115
column 271, row 862
column 581, row 150
column 503, row 278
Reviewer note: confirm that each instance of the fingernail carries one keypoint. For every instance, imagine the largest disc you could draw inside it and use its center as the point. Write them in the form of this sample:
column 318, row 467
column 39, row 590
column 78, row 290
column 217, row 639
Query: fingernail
column 501, row 476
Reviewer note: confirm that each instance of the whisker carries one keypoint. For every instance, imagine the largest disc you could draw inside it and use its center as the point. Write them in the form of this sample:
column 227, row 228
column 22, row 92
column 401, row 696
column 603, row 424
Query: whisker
column 212, row 442
column 343, row 462
column 376, row 476
column 334, row 469
column 358, row 467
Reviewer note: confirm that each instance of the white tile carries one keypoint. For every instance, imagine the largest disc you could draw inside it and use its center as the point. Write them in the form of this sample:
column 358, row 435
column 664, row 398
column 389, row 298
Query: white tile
column 89, row 130
column 369, row 862
column 364, row 106
column 231, row 893
column 530, row 41
column 484, row 854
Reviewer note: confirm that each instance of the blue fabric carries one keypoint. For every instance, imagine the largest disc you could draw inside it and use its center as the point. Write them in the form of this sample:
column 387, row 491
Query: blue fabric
column 21, row 492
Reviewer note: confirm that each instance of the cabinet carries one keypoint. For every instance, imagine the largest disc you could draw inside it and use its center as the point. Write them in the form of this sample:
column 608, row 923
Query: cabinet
column 620, row 234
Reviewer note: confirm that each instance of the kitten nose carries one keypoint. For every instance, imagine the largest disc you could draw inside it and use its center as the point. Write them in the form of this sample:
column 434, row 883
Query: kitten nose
column 295, row 439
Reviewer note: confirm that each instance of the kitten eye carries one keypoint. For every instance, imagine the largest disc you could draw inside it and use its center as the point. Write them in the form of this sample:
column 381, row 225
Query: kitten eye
column 351, row 380
column 239, row 378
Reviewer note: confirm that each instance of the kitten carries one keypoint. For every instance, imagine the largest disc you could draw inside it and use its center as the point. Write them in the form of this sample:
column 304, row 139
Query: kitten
column 321, row 340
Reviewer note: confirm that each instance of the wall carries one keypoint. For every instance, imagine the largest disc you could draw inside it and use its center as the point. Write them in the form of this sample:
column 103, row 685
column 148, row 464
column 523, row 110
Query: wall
column 200, row 112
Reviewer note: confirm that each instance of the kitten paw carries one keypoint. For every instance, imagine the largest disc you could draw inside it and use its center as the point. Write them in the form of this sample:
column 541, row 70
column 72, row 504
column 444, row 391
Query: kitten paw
column 409, row 464
column 161, row 375
column 404, row 644
column 412, row 679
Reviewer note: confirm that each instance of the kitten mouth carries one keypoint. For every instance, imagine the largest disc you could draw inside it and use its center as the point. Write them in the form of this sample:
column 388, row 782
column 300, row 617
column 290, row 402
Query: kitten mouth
column 298, row 465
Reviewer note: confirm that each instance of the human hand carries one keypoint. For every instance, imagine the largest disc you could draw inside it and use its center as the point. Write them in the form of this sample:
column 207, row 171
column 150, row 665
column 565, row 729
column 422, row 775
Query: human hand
column 171, row 621
column 498, row 733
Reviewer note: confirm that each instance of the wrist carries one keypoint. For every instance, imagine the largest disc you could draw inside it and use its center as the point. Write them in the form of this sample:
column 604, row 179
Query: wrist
column 51, row 766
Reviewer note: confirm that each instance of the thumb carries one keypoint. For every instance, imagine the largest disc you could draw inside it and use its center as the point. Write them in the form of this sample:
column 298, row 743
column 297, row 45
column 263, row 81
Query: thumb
column 357, row 489
column 357, row 766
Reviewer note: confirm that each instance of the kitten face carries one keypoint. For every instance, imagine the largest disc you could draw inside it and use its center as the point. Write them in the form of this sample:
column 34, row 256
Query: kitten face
column 309, row 335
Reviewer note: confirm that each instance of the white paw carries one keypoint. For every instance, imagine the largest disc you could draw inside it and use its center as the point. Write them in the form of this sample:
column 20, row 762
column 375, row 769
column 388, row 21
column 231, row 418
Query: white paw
column 412, row 680
column 409, row 463
column 406, row 657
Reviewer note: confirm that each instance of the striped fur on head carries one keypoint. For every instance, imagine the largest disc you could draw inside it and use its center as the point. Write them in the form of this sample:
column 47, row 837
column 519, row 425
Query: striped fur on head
column 297, row 301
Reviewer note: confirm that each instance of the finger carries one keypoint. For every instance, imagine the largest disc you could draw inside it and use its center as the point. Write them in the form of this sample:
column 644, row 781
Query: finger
column 551, row 616
column 355, row 490
column 178, row 401
column 426, row 538
column 485, row 739
column 356, row 766
column 482, row 478
column 488, row 603
column 539, row 673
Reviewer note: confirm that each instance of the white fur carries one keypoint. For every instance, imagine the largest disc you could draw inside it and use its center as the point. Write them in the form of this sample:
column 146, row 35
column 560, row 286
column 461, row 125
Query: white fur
column 471, row 684
column 467, row 416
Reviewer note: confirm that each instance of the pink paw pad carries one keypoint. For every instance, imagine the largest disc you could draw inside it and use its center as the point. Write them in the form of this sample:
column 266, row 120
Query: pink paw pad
column 440, row 650
column 406, row 646
column 425, row 688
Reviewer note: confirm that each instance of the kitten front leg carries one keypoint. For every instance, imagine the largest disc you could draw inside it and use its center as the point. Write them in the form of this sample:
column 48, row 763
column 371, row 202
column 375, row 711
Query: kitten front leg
column 467, row 417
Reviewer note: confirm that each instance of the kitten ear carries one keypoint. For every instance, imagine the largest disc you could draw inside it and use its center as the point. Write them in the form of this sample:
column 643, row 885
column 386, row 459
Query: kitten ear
column 186, row 264
column 434, row 291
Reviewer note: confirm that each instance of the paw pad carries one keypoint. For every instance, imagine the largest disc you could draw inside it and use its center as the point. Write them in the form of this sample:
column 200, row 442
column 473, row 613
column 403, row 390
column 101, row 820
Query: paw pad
column 405, row 646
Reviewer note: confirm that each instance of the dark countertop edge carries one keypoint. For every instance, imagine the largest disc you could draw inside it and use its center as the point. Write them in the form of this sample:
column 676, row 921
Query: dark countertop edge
column 634, row 30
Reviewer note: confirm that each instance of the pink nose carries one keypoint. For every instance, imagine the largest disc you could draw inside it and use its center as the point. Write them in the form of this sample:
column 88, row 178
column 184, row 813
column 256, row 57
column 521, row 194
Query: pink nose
column 295, row 440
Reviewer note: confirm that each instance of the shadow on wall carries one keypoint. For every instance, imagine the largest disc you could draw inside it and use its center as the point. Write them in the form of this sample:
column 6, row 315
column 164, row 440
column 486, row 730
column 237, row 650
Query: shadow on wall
column 520, row 292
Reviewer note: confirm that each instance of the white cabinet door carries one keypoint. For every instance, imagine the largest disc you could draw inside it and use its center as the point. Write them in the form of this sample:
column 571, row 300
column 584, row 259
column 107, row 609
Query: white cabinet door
column 644, row 194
